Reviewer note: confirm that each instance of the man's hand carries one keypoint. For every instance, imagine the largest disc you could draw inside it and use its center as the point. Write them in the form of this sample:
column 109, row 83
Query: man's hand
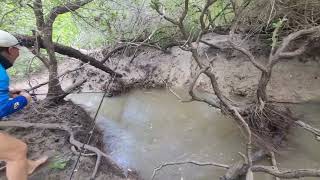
column 20, row 92
column 15, row 92
column 26, row 95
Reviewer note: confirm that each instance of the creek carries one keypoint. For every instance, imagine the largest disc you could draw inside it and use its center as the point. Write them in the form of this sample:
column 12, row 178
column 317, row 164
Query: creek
column 144, row 129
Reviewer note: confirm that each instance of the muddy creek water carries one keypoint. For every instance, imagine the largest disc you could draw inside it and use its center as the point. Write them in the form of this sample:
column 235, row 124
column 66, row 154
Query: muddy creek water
column 144, row 129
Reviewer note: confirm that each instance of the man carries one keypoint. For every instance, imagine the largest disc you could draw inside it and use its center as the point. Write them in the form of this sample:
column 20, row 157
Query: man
column 12, row 150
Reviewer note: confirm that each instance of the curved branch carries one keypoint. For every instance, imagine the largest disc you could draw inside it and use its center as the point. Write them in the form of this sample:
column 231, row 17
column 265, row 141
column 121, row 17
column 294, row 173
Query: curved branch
column 188, row 162
column 185, row 11
column 293, row 36
column 156, row 6
column 195, row 97
column 70, row 6
column 246, row 52
column 38, row 11
column 203, row 12
column 287, row 174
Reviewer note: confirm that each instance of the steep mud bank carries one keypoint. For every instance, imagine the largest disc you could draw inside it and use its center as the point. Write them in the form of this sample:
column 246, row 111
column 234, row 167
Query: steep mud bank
column 292, row 80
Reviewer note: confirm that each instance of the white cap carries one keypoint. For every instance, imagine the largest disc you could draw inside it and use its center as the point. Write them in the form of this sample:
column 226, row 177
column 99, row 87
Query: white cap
column 7, row 39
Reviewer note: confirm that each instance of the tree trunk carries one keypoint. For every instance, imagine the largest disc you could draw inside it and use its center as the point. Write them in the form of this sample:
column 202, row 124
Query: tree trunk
column 262, row 86
column 54, row 86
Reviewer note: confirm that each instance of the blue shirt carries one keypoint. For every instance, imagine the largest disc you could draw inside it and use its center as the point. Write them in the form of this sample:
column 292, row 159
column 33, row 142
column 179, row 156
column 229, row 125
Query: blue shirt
column 7, row 105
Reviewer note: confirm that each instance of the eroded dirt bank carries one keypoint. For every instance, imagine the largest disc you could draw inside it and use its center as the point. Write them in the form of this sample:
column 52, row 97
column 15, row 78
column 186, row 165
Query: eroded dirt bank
column 293, row 80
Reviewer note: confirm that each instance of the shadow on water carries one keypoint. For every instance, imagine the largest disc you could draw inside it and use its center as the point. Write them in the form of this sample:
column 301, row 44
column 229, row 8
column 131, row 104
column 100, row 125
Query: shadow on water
column 146, row 129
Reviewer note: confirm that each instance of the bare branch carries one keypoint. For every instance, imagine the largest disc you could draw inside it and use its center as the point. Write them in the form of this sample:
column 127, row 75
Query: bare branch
column 204, row 11
column 195, row 97
column 6, row 14
column 157, row 7
column 293, row 36
column 185, row 11
column 70, row 6
column 287, row 173
column 38, row 11
column 245, row 51
column 292, row 54
column 188, row 162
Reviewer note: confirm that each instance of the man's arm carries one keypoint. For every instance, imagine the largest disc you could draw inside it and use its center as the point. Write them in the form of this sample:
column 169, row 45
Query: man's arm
column 16, row 104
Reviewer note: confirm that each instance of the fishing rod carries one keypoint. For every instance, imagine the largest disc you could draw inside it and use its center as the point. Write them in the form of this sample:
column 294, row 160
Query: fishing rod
column 84, row 92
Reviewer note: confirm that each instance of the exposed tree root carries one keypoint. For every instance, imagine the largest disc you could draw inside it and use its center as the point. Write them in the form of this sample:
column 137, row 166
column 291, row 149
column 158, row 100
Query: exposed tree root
column 269, row 124
column 72, row 140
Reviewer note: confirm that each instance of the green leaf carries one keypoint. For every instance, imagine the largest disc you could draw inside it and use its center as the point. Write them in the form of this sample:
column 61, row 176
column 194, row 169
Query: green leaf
column 58, row 164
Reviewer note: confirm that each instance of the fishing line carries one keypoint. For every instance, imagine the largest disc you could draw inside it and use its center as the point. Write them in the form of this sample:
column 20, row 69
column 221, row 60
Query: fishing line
column 90, row 133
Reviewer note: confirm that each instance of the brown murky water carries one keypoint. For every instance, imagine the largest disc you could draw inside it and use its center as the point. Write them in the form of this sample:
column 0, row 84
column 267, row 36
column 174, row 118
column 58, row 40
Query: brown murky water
column 144, row 129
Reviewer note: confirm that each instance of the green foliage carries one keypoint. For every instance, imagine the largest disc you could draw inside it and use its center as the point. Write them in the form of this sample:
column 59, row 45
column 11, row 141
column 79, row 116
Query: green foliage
column 275, row 34
column 64, row 29
column 58, row 164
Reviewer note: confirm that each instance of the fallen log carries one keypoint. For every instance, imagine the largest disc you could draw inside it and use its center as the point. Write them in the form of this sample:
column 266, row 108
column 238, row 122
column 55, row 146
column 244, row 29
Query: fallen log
column 29, row 41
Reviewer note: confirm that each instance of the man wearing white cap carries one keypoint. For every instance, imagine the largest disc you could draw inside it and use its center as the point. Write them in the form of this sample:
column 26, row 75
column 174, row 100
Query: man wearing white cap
column 13, row 151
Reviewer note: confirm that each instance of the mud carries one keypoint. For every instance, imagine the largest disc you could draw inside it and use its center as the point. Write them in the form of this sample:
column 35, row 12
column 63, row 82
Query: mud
column 55, row 144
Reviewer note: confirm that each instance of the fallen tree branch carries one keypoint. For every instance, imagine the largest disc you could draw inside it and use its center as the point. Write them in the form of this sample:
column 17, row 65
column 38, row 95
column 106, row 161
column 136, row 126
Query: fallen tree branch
column 287, row 173
column 72, row 141
column 29, row 41
column 188, row 162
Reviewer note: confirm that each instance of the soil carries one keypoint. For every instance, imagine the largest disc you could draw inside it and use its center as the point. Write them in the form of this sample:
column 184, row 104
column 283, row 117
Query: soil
column 55, row 144
column 294, row 80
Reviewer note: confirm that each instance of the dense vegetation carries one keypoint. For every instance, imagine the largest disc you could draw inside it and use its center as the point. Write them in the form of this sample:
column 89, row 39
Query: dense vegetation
column 103, row 23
